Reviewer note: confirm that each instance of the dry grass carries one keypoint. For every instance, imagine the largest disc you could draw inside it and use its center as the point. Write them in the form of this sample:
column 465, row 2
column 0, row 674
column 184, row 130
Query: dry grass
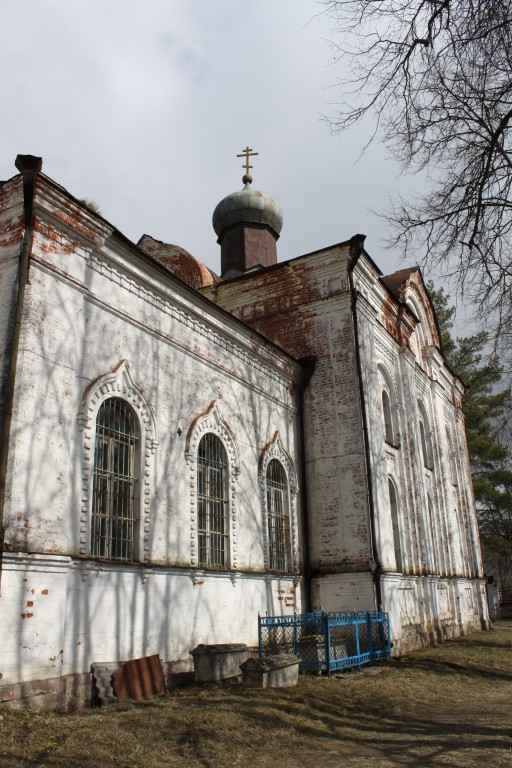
column 446, row 706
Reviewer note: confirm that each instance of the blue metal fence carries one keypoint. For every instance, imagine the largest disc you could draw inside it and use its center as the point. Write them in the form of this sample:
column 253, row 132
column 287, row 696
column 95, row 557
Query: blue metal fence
column 327, row 642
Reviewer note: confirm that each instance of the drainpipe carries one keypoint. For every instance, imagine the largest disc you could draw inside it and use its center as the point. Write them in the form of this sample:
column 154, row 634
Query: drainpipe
column 356, row 248
column 308, row 368
column 28, row 166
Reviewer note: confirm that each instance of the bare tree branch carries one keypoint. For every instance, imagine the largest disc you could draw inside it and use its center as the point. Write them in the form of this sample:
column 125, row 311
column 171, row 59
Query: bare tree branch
column 437, row 76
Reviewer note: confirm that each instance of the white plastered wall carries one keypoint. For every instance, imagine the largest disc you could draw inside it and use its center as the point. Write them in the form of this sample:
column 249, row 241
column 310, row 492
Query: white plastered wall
column 99, row 315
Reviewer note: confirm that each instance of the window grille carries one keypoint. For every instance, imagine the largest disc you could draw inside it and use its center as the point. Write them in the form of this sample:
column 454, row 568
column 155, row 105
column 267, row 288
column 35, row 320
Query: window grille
column 212, row 502
column 278, row 517
column 115, row 484
column 388, row 418
column 393, row 503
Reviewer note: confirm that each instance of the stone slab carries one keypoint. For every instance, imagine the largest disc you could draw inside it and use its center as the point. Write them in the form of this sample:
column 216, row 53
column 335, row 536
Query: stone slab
column 279, row 671
column 213, row 663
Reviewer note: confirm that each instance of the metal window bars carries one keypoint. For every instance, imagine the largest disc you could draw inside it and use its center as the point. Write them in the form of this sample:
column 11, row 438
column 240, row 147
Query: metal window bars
column 212, row 502
column 115, row 484
column 326, row 642
column 278, row 517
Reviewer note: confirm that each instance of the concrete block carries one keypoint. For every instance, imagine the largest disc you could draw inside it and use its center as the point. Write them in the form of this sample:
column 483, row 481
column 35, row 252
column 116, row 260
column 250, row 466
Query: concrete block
column 271, row 672
column 218, row 662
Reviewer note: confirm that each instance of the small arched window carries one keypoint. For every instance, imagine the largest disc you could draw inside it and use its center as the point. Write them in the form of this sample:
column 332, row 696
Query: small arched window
column 212, row 502
column 278, row 516
column 393, row 504
column 453, row 461
column 115, row 497
column 418, row 338
column 425, row 437
column 388, row 418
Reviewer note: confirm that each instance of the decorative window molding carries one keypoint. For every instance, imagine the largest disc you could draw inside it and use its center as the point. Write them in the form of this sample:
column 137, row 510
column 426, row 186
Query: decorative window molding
column 275, row 450
column 389, row 408
column 115, row 533
column 422, row 384
column 427, row 450
column 422, row 338
column 117, row 383
column 211, row 421
column 278, row 516
column 386, row 351
column 212, row 502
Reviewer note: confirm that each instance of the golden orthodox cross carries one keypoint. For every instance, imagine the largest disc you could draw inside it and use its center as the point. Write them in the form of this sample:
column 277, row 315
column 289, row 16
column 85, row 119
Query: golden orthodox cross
column 247, row 153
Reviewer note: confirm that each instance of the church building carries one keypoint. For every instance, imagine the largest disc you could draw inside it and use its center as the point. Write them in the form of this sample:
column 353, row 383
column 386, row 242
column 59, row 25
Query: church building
column 182, row 452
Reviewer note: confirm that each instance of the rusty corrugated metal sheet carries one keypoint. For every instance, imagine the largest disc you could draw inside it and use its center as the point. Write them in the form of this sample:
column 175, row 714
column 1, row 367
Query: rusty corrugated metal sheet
column 139, row 679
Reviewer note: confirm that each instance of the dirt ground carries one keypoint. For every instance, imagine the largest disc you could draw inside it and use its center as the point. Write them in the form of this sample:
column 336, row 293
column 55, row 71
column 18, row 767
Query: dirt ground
column 443, row 706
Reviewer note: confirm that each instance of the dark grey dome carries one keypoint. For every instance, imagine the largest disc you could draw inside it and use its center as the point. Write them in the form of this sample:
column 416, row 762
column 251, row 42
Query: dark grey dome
column 248, row 206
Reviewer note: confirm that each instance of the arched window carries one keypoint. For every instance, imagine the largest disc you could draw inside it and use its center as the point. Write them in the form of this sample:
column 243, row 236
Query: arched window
column 425, row 437
column 418, row 339
column 388, row 418
column 115, row 502
column 453, row 461
column 278, row 516
column 212, row 502
column 389, row 407
column 393, row 504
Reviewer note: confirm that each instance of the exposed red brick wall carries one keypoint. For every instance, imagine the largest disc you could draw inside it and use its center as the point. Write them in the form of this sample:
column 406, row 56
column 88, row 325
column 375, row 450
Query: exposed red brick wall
column 397, row 319
column 70, row 212
column 245, row 247
column 57, row 694
column 304, row 307
column 12, row 222
column 50, row 240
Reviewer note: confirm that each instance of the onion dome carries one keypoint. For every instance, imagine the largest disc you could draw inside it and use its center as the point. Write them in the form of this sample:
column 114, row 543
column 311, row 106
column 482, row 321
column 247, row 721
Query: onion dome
column 248, row 206
column 248, row 224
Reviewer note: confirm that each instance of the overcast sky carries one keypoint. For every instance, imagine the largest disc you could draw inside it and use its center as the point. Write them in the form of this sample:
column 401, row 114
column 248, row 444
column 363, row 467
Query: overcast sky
column 142, row 107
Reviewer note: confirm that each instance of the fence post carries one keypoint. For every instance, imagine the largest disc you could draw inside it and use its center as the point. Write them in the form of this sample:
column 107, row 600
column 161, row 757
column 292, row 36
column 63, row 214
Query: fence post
column 327, row 639
column 260, row 644
column 370, row 635
column 382, row 634
column 358, row 644
column 295, row 650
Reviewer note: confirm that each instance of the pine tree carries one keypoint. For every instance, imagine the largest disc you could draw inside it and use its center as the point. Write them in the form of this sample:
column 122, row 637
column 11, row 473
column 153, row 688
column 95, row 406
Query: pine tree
column 487, row 407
